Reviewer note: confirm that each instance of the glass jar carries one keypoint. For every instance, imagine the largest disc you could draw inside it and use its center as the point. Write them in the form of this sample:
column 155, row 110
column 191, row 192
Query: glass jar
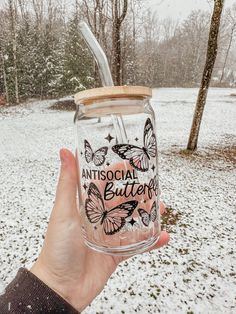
column 117, row 169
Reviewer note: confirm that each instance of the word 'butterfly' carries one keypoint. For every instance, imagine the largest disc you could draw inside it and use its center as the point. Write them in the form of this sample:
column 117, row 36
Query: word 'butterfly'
column 146, row 217
column 113, row 219
column 98, row 157
column 139, row 157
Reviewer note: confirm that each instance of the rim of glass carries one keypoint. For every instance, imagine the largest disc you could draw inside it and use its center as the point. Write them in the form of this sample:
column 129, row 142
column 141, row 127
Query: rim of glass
column 89, row 96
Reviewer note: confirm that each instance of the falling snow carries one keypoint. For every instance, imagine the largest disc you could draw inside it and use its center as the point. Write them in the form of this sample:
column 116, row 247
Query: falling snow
column 195, row 273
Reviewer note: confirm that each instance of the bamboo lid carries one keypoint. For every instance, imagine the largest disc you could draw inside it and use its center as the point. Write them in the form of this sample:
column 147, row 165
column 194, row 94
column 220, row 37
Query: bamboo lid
column 90, row 95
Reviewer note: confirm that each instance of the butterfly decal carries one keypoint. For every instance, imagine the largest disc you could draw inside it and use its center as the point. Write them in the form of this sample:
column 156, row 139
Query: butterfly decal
column 113, row 219
column 139, row 157
column 146, row 217
column 98, row 157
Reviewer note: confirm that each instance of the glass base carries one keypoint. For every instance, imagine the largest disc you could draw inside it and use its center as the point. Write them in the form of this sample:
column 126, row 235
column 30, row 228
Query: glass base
column 127, row 250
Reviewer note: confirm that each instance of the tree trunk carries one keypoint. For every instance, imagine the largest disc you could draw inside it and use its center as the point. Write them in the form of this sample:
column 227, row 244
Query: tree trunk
column 5, row 79
column 207, row 73
column 118, row 18
column 12, row 9
column 134, row 76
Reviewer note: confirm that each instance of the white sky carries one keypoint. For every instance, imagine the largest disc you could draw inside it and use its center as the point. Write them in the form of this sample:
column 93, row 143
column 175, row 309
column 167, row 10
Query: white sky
column 178, row 9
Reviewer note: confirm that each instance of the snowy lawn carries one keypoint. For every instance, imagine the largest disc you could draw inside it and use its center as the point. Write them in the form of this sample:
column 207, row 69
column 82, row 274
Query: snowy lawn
column 196, row 272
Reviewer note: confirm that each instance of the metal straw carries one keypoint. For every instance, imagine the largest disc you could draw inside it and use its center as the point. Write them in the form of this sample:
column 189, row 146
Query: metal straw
column 105, row 74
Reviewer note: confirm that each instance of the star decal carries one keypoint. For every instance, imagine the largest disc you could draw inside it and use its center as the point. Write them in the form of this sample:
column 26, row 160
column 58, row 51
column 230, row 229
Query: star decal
column 136, row 139
column 85, row 186
column 132, row 221
column 109, row 138
column 153, row 168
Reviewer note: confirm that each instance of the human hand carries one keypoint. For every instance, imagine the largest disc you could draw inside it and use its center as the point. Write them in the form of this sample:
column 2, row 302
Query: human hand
column 65, row 263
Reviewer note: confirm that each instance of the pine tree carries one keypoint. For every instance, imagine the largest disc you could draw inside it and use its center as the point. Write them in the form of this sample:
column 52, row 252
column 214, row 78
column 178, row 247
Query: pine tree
column 78, row 62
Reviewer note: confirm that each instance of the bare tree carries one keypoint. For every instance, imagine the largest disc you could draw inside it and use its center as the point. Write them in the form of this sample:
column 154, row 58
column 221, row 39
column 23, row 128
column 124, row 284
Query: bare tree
column 3, row 37
column 207, row 73
column 130, row 33
column 38, row 7
column 5, row 77
column 12, row 11
column 168, row 32
column 231, row 17
column 119, row 11
column 96, row 12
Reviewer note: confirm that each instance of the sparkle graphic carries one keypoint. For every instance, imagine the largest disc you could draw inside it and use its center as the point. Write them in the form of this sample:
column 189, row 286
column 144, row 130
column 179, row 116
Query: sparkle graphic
column 109, row 138
column 132, row 221
column 153, row 168
column 85, row 186
column 136, row 139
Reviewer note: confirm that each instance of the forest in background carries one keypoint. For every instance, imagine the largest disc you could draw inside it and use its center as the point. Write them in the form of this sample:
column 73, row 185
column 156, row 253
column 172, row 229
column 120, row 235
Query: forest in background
column 43, row 55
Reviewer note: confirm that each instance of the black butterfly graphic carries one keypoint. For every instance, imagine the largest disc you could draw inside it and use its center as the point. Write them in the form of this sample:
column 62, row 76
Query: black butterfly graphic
column 113, row 219
column 139, row 157
column 146, row 217
column 98, row 157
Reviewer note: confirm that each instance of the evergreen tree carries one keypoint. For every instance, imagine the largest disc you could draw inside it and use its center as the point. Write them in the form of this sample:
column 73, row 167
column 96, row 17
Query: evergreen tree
column 78, row 62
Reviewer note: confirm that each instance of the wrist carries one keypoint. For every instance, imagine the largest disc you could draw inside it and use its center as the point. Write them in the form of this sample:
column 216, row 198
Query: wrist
column 44, row 275
column 59, row 286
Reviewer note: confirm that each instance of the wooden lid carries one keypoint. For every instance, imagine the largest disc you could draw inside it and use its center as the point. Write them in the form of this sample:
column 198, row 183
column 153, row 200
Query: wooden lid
column 90, row 95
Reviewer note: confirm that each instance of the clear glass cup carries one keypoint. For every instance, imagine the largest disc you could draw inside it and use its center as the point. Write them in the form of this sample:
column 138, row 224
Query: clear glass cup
column 117, row 169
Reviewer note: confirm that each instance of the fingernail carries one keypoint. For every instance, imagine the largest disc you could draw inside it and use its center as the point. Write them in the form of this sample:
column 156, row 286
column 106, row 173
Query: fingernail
column 64, row 156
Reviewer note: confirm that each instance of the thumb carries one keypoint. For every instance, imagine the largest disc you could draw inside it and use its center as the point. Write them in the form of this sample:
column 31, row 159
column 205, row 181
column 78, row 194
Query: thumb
column 65, row 202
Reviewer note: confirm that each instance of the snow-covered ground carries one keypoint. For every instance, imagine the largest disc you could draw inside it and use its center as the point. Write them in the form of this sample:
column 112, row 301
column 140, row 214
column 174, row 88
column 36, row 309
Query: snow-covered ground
column 196, row 272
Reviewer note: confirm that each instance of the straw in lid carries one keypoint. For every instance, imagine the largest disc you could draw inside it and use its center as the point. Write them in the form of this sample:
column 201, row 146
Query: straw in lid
column 90, row 95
